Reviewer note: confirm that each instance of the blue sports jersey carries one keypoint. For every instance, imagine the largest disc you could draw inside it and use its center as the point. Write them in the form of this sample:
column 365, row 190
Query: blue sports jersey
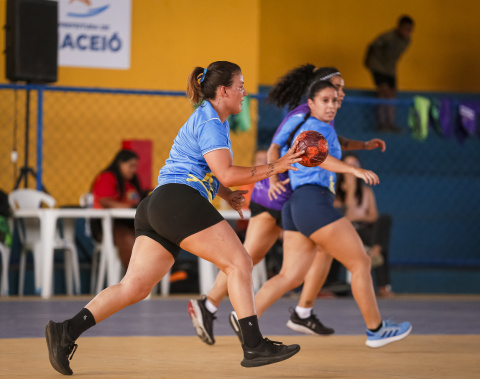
column 260, row 191
column 202, row 133
column 311, row 175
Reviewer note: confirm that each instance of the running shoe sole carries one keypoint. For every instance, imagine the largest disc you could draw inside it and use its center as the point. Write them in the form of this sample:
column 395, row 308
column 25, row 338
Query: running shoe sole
column 263, row 361
column 385, row 341
column 53, row 348
column 301, row 329
column 197, row 319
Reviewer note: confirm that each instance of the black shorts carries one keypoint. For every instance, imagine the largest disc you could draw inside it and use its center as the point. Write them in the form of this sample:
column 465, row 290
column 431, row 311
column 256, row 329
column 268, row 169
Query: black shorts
column 379, row 79
column 256, row 209
column 172, row 213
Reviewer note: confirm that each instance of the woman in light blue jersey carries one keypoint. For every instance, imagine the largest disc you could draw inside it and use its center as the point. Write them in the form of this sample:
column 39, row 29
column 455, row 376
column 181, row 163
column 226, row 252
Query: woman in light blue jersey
column 310, row 221
column 290, row 92
column 269, row 196
column 179, row 215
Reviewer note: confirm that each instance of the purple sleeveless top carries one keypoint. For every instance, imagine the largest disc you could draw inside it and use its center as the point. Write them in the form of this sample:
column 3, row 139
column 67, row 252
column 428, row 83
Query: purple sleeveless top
column 260, row 191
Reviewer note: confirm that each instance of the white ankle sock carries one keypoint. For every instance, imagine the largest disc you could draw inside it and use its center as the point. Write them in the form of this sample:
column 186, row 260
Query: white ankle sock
column 303, row 312
column 211, row 308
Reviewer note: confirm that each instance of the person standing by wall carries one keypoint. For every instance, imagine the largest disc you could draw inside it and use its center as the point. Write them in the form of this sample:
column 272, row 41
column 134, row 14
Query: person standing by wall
column 381, row 60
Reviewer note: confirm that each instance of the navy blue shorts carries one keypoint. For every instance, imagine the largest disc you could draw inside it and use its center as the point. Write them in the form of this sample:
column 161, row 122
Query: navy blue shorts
column 309, row 208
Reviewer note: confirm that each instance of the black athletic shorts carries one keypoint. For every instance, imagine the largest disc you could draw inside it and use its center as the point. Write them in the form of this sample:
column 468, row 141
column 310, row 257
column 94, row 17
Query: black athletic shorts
column 172, row 213
column 379, row 78
column 256, row 209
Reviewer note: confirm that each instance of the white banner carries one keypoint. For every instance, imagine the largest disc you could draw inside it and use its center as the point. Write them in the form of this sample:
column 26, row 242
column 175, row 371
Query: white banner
column 94, row 33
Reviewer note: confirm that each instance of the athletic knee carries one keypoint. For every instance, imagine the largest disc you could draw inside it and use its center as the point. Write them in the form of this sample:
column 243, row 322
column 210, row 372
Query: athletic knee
column 241, row 262
column 361, row 263
column 135, row 290
column 292, row 280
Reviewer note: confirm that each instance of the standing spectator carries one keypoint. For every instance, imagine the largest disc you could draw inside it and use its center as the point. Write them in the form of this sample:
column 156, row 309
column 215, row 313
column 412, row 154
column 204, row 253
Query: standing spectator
column 381, row 59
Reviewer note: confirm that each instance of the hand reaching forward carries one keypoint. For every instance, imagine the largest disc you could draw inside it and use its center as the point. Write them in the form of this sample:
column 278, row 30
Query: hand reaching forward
column 376, row 143
column 277, row 187
column 368, row 176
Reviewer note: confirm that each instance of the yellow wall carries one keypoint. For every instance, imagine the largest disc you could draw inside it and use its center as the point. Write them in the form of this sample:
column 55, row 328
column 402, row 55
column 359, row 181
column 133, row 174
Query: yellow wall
column 268, row 37
column 444, row 54
column 265, row 37
column 170, row 38
column 82, row 132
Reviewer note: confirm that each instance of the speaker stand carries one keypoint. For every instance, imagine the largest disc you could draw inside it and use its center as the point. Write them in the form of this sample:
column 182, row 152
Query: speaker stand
column 26, row 170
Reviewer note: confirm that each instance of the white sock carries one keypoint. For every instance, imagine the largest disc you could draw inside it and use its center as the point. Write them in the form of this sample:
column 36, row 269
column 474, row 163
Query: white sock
column 303, row 312
column 211, row 308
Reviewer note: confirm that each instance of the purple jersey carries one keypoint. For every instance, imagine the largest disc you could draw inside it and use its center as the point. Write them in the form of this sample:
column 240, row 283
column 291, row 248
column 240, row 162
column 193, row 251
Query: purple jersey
column 260, row 191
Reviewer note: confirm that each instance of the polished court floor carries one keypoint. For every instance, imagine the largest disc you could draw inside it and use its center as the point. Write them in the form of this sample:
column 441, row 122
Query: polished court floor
column 155, row 339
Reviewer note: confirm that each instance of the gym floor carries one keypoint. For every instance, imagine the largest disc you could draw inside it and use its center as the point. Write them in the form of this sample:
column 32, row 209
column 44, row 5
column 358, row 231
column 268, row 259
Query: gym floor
column 155, row 339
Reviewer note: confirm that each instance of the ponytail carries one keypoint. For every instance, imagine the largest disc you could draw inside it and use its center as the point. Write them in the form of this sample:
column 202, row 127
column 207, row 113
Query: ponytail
column 202, row 82
column 291, row 87
column 292, row 133
column 194, row 88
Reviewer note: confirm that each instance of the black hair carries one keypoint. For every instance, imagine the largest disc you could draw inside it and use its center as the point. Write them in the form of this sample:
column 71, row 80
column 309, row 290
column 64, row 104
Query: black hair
column 340, row 179
column 202, row 85
column 114, row 167
column 405, row 20
column 317, row 86
column 290, row 88
column 292, row 133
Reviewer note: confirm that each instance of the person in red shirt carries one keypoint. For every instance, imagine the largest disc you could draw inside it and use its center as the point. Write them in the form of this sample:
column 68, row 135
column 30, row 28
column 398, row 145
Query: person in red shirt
column 118, row 186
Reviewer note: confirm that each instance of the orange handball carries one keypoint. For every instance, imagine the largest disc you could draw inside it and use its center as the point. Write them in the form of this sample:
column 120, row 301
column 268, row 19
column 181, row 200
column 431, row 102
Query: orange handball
column 315, row 146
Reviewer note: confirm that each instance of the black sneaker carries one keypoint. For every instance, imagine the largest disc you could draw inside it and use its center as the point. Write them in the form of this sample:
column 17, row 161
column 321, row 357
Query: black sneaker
column 267, row 352
column 233, row 320
column 311, row 325
column 202, row 320
column 60, row 346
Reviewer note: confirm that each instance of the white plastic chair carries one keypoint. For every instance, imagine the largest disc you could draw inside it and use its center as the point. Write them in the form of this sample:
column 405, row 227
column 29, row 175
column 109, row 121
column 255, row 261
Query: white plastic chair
column 98, row 270
column 5, row 255
column 29, row 233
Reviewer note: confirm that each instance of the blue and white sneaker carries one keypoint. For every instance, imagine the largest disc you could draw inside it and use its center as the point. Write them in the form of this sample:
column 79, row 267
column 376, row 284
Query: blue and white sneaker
column 388, row 333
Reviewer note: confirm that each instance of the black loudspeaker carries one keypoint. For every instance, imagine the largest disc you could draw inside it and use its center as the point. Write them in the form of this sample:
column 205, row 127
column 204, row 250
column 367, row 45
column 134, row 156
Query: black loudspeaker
column 31, row 46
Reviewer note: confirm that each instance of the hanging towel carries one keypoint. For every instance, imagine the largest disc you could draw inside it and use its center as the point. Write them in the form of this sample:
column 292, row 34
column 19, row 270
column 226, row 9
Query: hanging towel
column 241, row 122
column 434, row 117
column 418, row 117
column 469, row 115
column 466, row 125
column 445, row 117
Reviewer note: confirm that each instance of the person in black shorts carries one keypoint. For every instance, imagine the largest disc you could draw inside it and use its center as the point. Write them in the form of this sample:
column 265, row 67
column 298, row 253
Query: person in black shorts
column 381, row 60
column 179, row 215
